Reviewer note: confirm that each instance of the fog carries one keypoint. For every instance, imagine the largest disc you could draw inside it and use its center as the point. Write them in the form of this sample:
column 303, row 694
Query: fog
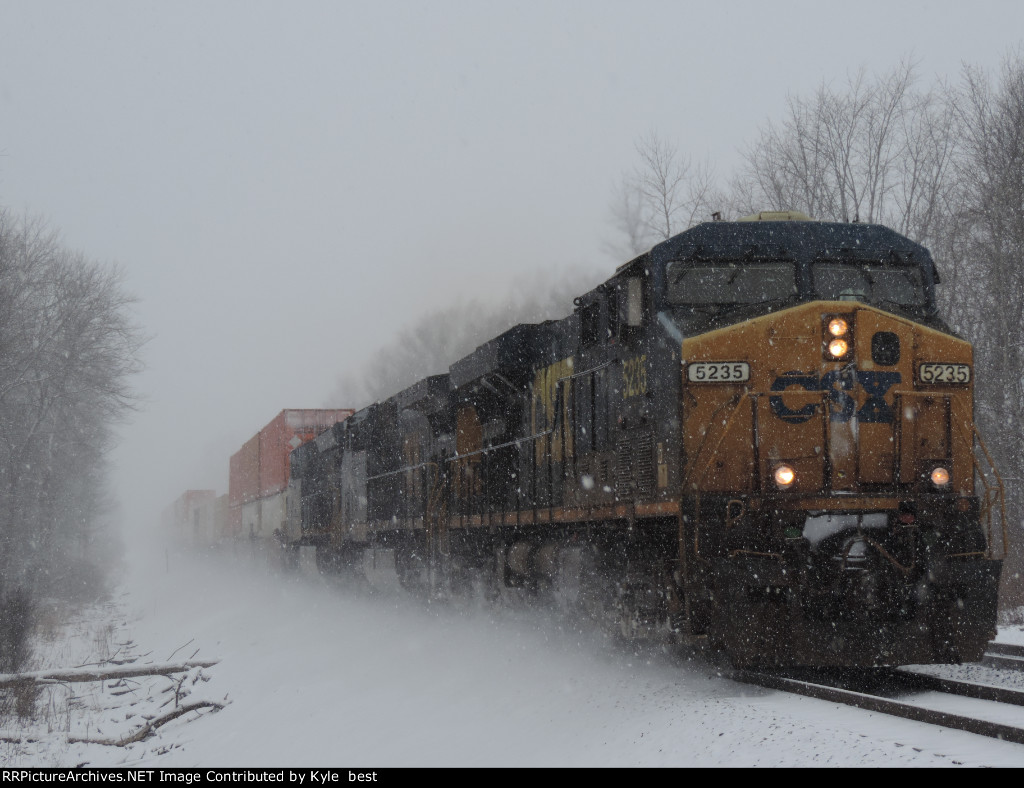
column 311, row 674
column 288, row 185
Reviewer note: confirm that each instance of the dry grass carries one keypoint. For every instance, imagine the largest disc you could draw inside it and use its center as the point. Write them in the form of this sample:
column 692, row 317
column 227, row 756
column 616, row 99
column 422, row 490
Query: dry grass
column 63, row 724
column 63, row 635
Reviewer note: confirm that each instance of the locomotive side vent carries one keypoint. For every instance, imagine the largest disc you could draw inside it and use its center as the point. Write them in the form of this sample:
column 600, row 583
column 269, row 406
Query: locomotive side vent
column 624, row 464
column 634, row 463
column 644, row 462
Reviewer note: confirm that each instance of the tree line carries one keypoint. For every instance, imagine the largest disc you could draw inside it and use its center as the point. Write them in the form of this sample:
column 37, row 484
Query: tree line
column 68, row 347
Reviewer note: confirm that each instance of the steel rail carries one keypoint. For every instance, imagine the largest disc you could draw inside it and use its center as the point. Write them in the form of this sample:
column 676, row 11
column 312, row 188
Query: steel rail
column 894, row 708
column 1005, row 649
column 993, row 660
column 966, row 689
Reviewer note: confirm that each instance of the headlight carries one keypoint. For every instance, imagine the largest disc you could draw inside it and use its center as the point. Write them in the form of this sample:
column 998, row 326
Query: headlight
column 838, row 347
column 939, row 476
column 784, row 477
column 837, row 326
column 837, row 337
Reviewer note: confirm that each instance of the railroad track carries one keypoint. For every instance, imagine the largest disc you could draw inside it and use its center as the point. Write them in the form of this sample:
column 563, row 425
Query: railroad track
column 907, row 694
column 1004, row 655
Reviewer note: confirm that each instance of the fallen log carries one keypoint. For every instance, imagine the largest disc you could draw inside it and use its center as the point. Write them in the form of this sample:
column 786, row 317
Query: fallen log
column 8, row 680
column 150, row 726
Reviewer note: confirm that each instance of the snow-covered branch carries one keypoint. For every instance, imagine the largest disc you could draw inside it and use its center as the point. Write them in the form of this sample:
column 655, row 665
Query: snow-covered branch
column 105, row 674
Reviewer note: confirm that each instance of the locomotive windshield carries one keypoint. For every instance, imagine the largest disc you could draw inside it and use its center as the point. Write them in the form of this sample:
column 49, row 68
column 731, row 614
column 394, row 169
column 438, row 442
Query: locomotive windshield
column 742, row 283
column 871, row 284
column 730, row 283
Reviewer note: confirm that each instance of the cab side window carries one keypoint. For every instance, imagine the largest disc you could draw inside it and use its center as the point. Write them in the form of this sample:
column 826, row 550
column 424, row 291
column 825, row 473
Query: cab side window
column 627, row 308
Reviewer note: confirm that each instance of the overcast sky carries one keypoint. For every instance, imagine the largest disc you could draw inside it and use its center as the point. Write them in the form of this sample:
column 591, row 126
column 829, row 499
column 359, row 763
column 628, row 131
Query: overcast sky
column 287, row 184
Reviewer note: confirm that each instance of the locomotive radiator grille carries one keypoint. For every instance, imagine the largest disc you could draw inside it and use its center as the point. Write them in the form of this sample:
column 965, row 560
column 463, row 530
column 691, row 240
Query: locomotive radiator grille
column 634, row 463
column 624, row 465
column 644, row 462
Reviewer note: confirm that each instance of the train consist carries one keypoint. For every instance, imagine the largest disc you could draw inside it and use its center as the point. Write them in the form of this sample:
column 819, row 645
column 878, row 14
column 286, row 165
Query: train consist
column 756, row 438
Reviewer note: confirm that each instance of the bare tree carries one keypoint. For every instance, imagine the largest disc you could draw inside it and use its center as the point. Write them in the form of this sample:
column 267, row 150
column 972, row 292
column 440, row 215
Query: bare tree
column 627, row 212
column 665, row 194
column 874, row 150
column 922, row 198
column 429, row 345
column 68, row 347
column 987, row 247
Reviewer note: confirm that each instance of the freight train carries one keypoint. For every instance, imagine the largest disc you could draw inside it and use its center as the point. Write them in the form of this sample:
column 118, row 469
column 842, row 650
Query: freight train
column 755, row 439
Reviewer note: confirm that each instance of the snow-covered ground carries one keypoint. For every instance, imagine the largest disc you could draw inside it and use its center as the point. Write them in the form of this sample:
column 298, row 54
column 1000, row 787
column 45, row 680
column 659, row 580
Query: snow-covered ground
column 311, row 676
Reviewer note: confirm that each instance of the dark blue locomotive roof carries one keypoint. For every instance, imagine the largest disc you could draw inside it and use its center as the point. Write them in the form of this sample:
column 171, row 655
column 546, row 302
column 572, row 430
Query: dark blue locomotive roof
column 803, row 241
column 515, row 351
column 427, row 395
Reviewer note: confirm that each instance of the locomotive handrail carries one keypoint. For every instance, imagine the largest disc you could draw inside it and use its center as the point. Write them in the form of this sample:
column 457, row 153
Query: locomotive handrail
column 993, row 493
column 514, row 442
column 560, row 422
column 693, row 478
column 454, row 457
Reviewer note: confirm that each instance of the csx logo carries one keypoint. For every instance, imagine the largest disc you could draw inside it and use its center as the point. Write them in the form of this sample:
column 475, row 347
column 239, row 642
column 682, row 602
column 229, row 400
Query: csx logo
column 841, row 403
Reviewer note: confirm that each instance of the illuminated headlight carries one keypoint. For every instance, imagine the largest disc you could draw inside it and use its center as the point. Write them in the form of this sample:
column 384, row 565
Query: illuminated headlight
column 939, row 476
column 837, row 337
column 837, row 327
column 784, row 477
column 838, row 347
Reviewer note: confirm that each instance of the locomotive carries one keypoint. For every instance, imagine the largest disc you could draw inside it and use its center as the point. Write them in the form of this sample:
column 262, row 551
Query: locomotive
column 755, row 439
